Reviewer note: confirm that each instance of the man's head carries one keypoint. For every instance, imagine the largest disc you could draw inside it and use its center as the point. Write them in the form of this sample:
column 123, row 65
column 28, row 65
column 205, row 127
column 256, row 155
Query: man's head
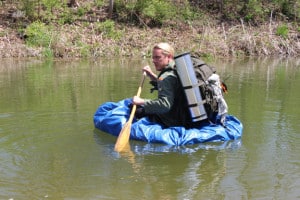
column 162, row 54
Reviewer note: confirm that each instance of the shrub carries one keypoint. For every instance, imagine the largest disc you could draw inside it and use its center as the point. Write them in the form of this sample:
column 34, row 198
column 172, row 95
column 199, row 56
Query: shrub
column 146, row 11
column 38, row 34
column 155, row 10
column 28, row 6
column 51, row 4
column 66, row 17
column 108, row 29
column 282, row 31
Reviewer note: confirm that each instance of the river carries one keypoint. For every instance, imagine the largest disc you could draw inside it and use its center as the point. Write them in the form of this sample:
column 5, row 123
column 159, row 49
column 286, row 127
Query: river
column 49, row 148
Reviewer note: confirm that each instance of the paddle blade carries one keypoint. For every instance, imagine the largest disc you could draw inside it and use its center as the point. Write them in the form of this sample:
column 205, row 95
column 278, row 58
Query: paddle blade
column 123, row 138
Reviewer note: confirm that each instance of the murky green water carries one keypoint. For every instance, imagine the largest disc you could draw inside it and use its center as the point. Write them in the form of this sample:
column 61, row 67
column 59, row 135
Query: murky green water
column 49, row 148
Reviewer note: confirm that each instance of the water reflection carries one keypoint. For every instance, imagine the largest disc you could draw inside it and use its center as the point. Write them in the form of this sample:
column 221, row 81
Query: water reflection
column 144, row 148
column 268, row 108
column 192, row 175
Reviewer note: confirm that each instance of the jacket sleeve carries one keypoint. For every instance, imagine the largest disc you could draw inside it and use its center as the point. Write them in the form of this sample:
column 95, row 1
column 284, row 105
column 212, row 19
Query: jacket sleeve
column 166, row 96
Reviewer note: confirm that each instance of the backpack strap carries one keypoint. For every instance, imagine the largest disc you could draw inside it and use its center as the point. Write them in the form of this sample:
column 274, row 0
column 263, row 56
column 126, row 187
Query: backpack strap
column 154, row 83
column 166, row 70
column 198, row 103
column 195, row 85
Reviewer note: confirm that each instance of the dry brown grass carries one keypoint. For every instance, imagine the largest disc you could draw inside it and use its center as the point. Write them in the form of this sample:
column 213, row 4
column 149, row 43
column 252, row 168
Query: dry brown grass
column 242, row 40
column 205, row 37
column 209, row 40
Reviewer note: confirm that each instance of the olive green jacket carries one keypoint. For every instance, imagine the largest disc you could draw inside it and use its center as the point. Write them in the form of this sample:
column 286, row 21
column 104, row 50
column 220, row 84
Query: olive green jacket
column 170, row 107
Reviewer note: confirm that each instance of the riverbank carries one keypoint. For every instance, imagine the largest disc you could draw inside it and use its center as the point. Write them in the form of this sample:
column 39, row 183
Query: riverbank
column 205, row 38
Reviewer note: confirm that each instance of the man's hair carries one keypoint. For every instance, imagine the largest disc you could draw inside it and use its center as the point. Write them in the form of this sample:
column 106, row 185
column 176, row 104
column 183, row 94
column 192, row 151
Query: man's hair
column 167, row 49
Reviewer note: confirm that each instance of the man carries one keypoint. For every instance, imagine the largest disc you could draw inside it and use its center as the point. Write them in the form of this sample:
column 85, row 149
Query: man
column 169, row 109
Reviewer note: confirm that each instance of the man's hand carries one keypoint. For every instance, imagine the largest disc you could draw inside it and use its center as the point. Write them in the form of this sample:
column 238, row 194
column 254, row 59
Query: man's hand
column 139, row 112
column 149, row 73
column 138, row 101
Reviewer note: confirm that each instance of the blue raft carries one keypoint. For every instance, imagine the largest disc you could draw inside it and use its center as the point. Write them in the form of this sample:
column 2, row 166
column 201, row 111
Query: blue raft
column 110, row 117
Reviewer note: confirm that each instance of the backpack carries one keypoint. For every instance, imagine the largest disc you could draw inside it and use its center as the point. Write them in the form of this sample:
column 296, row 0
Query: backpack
column 211, row 98
column 210, row 87
column 208, row 92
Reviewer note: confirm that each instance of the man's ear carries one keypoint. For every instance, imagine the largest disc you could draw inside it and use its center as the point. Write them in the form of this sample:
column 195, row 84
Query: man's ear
column 170, row 56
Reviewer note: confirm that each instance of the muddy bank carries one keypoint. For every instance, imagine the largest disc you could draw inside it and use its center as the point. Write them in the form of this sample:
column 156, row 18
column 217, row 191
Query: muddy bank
column 82, row 40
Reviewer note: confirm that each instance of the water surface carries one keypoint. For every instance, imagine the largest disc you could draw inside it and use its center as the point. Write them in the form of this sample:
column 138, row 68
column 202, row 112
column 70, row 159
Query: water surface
column 50, row 149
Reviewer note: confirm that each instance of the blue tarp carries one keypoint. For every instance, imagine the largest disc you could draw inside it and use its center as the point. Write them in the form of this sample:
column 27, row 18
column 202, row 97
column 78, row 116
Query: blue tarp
column 110, row 117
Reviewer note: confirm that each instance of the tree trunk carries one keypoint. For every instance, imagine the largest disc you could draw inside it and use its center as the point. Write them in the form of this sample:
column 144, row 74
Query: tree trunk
column 73, row 3
column 111, row 8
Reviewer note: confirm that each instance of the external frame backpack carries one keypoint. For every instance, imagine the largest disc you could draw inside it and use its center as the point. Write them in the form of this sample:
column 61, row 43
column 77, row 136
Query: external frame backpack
column 207, row 82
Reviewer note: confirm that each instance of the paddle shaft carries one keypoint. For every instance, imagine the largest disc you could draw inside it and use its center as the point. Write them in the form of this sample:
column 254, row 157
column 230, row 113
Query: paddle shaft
column 123, row 137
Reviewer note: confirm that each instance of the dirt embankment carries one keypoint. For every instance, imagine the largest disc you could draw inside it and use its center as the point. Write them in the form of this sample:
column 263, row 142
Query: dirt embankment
column 81, row 39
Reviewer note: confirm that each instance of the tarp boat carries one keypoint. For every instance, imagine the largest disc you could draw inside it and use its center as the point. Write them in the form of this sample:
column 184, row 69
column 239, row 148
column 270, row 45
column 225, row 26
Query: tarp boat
column 110, row 117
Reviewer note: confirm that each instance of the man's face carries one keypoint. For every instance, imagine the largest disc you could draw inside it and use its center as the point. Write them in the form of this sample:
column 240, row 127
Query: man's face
column 160, row 60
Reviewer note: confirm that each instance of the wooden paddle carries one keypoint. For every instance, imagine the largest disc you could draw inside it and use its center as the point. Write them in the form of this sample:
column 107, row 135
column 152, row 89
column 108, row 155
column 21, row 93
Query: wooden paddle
column 123, row 137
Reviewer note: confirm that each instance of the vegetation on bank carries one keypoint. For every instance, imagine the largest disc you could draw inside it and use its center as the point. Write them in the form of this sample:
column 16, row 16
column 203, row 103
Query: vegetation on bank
column 98, row 28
